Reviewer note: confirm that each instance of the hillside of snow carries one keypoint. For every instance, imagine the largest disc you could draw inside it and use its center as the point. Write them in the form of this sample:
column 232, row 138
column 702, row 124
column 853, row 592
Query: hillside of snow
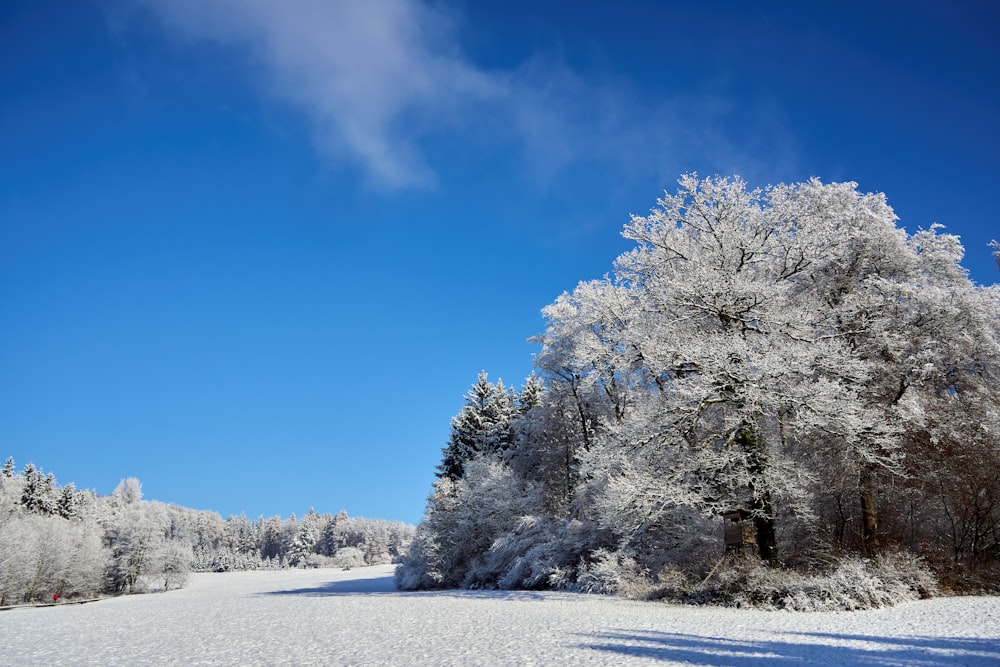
column 332, row 617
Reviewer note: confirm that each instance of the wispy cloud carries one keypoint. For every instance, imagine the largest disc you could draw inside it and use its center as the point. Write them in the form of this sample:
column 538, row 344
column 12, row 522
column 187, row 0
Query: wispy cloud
column 372, row 76
column 564, row 118
column 377, row 79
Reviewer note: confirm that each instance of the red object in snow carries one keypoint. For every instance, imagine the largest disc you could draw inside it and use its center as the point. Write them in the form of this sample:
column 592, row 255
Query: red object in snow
column 55, row 598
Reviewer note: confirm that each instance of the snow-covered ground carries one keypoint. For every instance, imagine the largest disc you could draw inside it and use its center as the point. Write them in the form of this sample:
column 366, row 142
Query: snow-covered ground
column 329, row 617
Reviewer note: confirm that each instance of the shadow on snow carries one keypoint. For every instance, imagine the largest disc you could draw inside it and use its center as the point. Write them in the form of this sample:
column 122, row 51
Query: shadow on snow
column 385, row 584
column 366, row 585
column 700, row 650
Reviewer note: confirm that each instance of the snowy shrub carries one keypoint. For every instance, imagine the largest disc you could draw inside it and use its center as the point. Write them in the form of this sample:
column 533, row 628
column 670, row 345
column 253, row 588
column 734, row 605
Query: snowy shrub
column 613, row 573
column 910, row 571
column 853, row 585
column 418, row 570
column 540, row 552
column 315, row 561
column 671, row 582
column 349, row 557
column 464, row 518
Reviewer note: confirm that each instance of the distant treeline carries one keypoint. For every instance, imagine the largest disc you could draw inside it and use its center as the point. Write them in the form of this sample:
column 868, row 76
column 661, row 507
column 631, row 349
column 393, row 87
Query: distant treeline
column 59, row 542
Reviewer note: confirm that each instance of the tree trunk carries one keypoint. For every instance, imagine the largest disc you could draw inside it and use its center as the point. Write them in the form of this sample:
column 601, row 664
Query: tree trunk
column 763, row 507
column 767, row 541
column 869, row 515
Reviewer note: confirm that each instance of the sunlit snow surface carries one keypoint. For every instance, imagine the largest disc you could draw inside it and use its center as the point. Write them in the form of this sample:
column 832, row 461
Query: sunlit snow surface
column 329, row 617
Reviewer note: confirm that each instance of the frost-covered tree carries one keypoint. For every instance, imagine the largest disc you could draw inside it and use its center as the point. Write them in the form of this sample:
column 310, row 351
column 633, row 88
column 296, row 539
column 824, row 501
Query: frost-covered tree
column 752, row 334
column 174, row 565
column 531, row 396
column 37, row 491
column 709, row 356
column 482, row 427
column 548, row 446
column 242, row 535
column 907, row 312
column 43, row 555
column 788, row 351
column 306, row 537
column 128, row 492
column 135, row 541
column 67, row 502
column 152, row 544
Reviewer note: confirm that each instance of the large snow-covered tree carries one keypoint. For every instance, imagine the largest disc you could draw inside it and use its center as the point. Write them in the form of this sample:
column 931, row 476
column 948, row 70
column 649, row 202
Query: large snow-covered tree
column 789, row 351
column 711, row 356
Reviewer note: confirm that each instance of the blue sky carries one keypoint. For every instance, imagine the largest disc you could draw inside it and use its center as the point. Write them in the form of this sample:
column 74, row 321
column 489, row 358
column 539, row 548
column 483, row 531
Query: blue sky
column 254, row 253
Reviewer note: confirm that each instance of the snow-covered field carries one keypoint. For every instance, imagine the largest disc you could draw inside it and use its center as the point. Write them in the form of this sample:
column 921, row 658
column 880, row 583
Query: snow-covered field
column 329, row 617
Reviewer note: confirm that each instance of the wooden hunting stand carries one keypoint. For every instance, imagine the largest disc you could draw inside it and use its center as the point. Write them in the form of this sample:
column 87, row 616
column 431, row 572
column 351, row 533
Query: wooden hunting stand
column 739, row 532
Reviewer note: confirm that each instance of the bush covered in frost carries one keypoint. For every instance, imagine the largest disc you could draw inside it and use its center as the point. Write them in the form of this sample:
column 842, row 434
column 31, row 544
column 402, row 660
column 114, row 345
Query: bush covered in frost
column 464, row 519
column 348, row 558
column 853, row 584
column 540, row 552
column 850, row 584
column 613, row 573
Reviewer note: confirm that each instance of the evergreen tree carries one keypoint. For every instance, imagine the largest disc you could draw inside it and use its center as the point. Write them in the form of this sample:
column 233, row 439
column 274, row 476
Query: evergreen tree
column 531, row 395
column 484, row 426
column 67, row 502
column 271, row 543
column 35, row 495
column 303, row 543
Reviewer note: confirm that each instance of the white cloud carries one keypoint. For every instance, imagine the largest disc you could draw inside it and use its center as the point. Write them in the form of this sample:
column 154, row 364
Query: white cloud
column 379, row 78
column 372, row 76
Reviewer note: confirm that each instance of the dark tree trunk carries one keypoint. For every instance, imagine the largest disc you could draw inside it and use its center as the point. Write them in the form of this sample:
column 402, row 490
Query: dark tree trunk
column 762, row 504
column 767, row 541
column 869, row 514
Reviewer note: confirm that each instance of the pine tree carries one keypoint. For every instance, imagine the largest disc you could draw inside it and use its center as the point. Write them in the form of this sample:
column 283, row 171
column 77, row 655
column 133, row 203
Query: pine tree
column 304, row 542
column 484, row 426
column 531, row 395
column 271, row 543
column 35, row 495
column 66, row 503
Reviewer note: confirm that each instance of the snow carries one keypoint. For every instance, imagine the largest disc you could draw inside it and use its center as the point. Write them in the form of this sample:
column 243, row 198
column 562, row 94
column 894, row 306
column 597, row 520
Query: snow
column 332, row 617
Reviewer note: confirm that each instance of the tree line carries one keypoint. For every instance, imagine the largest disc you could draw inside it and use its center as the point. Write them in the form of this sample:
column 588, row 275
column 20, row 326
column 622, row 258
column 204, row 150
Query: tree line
column 790, row 353
column 59, row 542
